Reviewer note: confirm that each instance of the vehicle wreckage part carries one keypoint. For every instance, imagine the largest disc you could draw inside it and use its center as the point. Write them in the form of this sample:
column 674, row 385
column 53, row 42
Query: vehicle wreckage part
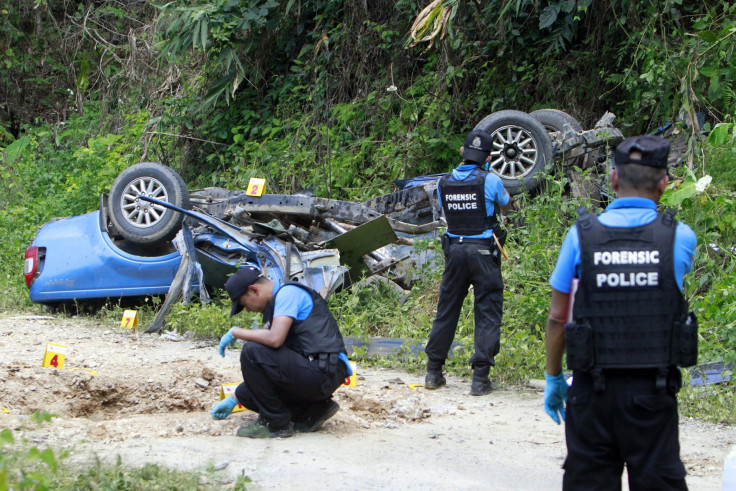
column 180, row 289
column 141, row 221
column 320, row 271
column 184, row 241
column 521, row 149
column 560, row 126
column 362, row 240
column 244, row 208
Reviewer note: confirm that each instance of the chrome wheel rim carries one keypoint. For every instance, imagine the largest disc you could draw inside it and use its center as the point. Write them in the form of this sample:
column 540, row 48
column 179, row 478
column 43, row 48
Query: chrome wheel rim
column 514, row 152
column 140, row 213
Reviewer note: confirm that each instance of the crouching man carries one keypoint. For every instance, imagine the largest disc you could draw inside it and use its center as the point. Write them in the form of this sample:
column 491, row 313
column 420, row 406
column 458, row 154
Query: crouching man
column 292, row 365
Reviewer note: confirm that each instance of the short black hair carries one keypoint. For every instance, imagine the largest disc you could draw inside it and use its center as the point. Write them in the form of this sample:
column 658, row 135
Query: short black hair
column 639, row 177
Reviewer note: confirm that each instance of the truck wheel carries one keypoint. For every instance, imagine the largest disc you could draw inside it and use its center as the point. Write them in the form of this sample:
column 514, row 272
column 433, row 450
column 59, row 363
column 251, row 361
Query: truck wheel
column 140, row 221
column 522, row 149
column 554, row 122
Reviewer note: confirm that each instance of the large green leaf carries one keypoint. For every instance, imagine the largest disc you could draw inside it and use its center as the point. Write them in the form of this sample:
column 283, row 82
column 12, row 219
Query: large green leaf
column 548, row 16
column 722, row 134
column 15, row 149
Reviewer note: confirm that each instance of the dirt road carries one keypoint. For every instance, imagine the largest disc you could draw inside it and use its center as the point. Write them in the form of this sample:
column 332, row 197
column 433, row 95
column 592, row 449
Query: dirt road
column 148, row 400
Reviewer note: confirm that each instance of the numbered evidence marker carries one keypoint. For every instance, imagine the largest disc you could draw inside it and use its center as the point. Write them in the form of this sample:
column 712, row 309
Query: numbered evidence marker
column 54, row 356
column 256, row 186
column 226, row 390
column 352, row 381
column 130, row 319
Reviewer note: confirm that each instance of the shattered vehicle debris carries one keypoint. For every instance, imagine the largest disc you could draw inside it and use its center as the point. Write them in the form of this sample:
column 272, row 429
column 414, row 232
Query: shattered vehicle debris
column 152, row 236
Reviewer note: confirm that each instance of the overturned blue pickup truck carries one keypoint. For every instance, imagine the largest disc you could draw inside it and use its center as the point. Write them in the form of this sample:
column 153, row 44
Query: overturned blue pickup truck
column 152, row 236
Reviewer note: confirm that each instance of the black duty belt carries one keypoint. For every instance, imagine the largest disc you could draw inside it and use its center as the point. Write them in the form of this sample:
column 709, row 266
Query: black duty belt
column 327, row 362
column 465, row 240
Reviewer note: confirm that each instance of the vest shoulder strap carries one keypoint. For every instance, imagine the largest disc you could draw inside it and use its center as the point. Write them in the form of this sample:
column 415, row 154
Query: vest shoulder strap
column 585, row 218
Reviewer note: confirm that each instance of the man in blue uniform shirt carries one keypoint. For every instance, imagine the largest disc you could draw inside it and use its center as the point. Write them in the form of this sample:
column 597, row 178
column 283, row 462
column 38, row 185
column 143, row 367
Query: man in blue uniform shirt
column 618, row 311
column 292, row 366
column 469, row 197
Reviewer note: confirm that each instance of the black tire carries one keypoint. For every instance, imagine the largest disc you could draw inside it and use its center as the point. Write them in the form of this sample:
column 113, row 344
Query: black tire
column 140, row 221
column 555, row 121
column 522, row 149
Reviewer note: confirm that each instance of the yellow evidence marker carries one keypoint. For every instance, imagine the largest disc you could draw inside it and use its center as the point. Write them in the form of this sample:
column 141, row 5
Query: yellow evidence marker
column 54, row 356
column 352, row 380
column 130, row 319
column 256, row 187
column 226, row 390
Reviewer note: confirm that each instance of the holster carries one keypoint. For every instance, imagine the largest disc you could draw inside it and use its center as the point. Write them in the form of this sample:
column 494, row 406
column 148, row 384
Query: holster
column 685, row 341
column 445, row 241
column 501, row 235
column 579, row 346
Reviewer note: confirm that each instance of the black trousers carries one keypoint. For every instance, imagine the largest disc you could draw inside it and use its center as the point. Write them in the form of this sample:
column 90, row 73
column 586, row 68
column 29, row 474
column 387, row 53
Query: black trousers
column 469, row 264
column 283, row 385
column 629, row 422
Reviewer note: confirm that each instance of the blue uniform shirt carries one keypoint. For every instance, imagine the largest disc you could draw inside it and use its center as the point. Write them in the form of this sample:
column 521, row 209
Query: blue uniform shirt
column 292, row 301
column 494, row 191
column 623, row 212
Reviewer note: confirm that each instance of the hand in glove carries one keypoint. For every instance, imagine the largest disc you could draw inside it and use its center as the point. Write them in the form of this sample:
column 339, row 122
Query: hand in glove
column 555, row 396
column 222, row 409
column 227, row 340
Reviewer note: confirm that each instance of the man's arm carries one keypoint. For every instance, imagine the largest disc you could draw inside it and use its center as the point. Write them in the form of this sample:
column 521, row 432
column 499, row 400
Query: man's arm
column 555, row 333
column 507, row 206
column 273, row 337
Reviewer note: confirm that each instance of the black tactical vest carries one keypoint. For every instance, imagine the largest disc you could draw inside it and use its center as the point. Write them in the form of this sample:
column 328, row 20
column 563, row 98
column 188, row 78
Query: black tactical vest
column 627, row 298
column 464, row 204
column 316, row 334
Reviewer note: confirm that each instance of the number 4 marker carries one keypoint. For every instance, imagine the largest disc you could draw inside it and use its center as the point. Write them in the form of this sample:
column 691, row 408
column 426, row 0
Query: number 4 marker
column 54, row 356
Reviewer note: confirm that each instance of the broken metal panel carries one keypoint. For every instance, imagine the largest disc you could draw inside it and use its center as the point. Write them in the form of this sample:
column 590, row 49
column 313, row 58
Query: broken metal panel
column 711, row 373
column 362, row 240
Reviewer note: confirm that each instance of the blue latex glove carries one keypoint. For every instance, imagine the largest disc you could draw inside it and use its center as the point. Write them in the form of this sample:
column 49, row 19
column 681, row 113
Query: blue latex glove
column 344, row 358
column 555, row 396
column 222, row 409
column 227, row 340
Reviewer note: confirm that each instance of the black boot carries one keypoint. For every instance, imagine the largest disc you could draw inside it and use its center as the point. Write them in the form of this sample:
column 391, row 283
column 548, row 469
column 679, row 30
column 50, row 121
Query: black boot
column 481, row 385
column 434, row 378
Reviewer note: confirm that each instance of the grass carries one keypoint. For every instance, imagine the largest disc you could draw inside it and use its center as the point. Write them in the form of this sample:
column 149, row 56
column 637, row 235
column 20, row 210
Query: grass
column 25, row 466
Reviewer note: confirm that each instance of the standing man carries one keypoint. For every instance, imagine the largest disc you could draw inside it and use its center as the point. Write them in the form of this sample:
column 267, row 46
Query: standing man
column 292, row 366
column 628, row 331
column 469, row 197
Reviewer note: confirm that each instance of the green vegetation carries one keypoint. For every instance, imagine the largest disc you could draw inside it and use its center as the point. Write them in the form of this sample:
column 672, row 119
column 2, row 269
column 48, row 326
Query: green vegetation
column 23, row 466
column 327, row 95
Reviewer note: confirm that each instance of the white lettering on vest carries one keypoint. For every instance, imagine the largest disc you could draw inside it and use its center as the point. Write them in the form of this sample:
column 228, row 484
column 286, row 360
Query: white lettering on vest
column 625, row 257
column 627, row 279
column 462, row 206
column 461, row 197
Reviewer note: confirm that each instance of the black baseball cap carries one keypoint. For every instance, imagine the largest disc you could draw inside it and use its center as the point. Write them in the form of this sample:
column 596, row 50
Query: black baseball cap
column 654, row 151
column 238, row 284
column 478, row 146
